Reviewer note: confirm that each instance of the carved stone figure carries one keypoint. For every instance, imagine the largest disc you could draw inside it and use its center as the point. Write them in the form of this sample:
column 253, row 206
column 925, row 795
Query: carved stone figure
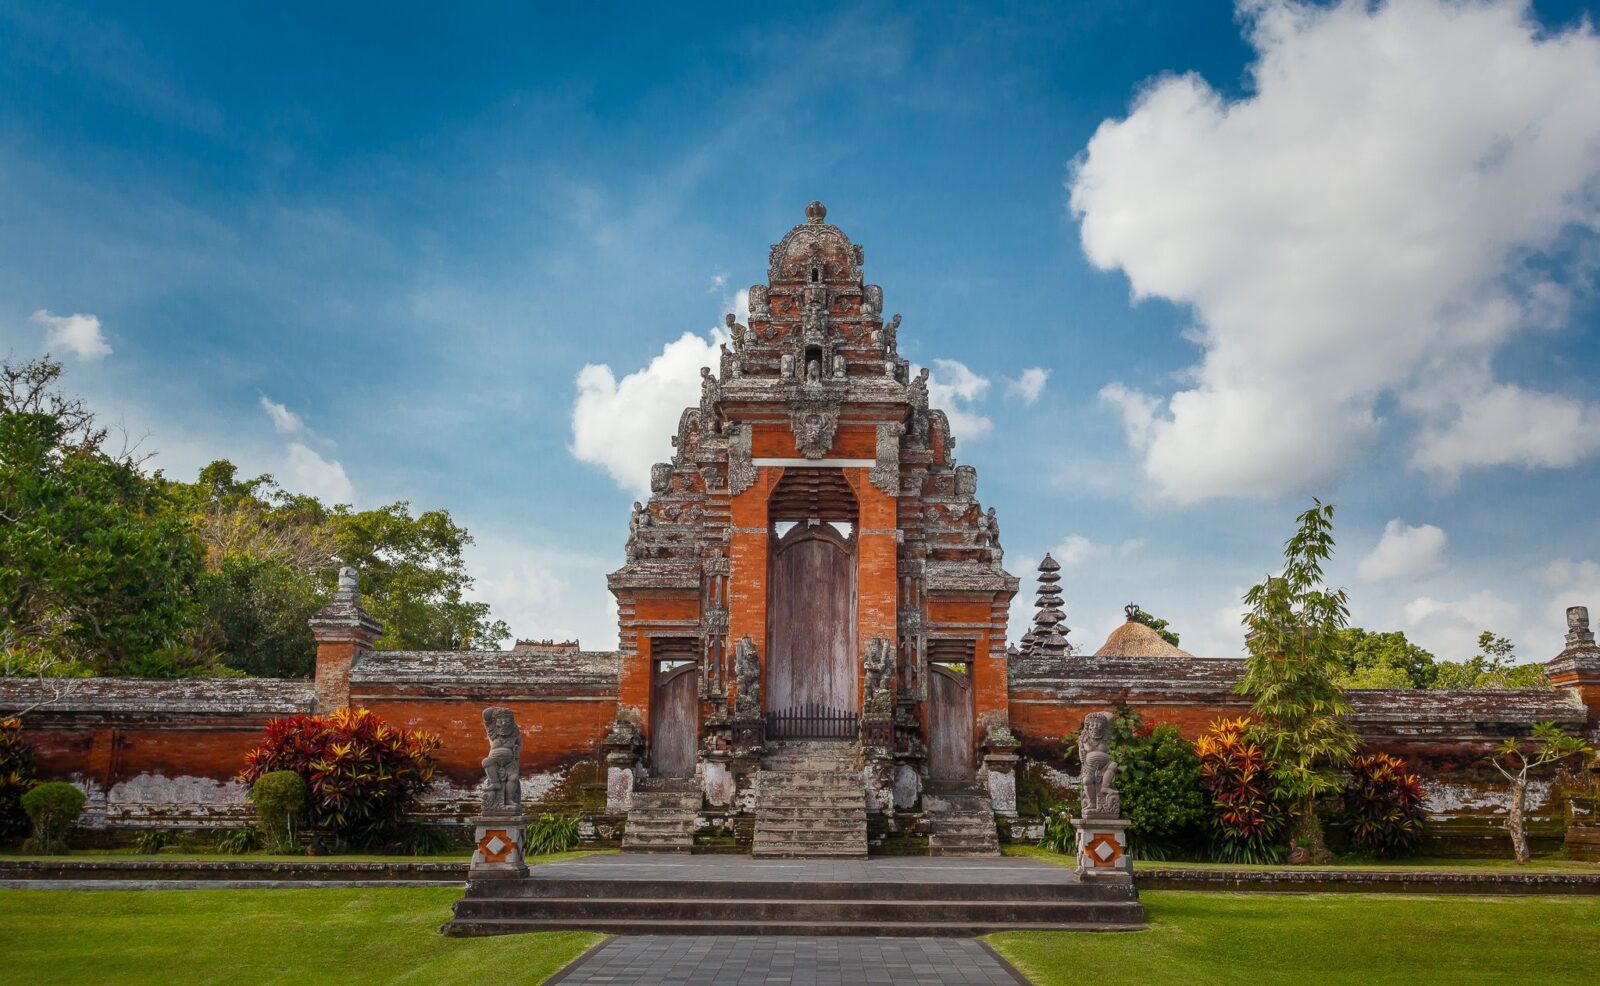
column 885, row 473
column 747, row 678
column 878, row 663
column 660, row 477
column 813, row 371
column 639, row 520
column 1100, row 799
column 840, row 367
column 735, row 331
column 502, row 768
column 891, row 331
column 786, row 363
column 758, row 300
column 741, row 469
column 871, row 300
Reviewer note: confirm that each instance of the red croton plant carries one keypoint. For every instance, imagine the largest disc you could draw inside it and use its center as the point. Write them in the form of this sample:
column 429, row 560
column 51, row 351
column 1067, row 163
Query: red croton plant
column 1247, row 814
column 361, row 774
column 1383, row 805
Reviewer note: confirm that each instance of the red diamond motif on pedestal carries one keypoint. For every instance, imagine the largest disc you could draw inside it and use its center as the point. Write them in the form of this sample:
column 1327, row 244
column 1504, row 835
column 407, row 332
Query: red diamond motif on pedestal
column 1103, row 850
column 496, row 846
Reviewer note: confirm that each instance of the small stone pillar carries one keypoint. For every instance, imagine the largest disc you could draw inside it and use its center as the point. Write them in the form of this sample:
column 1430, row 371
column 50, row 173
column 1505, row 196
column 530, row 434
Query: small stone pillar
column 1000, row 768
column 1577, row 667
column 624, row 748
column 344, row 631
column 500, row 827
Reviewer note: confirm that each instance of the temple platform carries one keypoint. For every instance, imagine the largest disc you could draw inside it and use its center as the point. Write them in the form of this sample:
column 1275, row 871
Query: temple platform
column 701, row 895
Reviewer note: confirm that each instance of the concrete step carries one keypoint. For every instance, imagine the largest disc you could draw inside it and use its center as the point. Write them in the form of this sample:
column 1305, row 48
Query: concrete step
column 909, row 929
column 1009, row 913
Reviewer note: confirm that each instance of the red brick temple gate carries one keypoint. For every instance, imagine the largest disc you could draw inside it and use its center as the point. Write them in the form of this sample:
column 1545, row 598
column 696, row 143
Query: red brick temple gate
column 814, row 515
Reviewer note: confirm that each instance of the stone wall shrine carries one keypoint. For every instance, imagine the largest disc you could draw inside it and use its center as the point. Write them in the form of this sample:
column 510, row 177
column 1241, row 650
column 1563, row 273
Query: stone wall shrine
column 813, row 653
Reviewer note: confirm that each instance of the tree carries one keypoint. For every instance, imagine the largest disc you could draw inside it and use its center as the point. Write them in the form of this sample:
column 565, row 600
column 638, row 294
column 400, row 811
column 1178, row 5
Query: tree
column 1519, row 759
column 1383, row 660
column 1158, row 625
column 1493, row 668
column 95, row 568
column 1292, row 674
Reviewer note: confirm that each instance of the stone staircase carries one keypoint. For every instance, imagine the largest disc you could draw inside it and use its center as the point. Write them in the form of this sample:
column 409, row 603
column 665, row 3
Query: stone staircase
column 961, row 823
column 663, row 815
column 811, row 801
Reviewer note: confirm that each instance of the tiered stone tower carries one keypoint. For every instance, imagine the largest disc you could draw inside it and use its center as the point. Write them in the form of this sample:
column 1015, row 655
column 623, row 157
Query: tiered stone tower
column 812, row 562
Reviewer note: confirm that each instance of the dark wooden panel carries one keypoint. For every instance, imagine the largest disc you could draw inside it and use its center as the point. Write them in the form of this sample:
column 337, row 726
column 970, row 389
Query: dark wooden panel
column 949, row 726
column 674, row 720
column 811, row 622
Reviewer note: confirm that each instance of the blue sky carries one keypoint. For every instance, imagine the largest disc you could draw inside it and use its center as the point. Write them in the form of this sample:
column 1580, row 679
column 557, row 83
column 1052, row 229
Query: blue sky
column 382, row 253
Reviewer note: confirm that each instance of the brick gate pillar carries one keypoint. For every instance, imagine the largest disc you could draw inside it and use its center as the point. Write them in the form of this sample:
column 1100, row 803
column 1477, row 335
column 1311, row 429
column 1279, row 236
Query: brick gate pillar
column 749, row 542
column 877, row 565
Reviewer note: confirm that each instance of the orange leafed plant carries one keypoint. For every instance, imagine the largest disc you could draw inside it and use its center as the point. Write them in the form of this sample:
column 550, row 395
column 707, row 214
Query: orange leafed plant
column 1246, row 813
column 361, row 773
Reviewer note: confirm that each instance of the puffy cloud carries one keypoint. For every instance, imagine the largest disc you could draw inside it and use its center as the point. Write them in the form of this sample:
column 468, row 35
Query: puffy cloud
column 1076, row 549
column 624, row 425
column 954, row 389
column 1030, row 385
column 283, row 419
column 1403, row 552
column 307, row 472
column 543, row 591
column 1450, row 627
column 1386, row 209
column 81, row 334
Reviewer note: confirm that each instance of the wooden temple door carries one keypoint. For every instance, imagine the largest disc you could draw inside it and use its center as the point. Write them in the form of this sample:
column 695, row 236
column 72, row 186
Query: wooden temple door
column 949, row 726
column 674, row 719
column 811, row 640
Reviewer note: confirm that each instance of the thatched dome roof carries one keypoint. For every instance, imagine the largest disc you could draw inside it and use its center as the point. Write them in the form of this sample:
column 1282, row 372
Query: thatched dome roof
column 1134, row 639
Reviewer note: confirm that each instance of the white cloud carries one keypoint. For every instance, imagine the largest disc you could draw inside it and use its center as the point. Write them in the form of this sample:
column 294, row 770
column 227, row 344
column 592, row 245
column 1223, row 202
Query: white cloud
column 544, row 592
column 624, row 426
column 283, row 419
column 305, row 471
column 1450, row 627
column 1030, row 385
column 953, row 389
column 81, row 334
column 1075, row 549
column 1404, row 551
column 1381, row 214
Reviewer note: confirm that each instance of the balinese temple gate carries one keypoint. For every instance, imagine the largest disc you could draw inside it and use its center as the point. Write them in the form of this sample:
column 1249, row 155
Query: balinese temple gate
column 813, row 576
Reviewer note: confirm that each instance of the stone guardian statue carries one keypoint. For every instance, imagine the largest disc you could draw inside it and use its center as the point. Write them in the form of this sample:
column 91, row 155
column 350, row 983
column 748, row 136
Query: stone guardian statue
column 502, row 768
column 747, row 677
column 1100, row 799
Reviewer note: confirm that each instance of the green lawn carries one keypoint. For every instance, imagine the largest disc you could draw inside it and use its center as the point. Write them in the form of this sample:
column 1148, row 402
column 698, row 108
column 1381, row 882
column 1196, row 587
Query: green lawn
column 261, row 936
column 1540, row 864
column 1199, row 938
column 126, row 855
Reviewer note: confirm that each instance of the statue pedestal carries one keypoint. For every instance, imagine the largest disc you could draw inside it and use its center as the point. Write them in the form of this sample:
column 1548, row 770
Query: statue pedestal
column 1103, row 849
column 498, row 842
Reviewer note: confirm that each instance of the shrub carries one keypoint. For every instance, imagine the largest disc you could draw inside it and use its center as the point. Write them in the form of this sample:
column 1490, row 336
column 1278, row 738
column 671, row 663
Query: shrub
column 422, row 839
column 551, row 833
column 362, row 774
column 152, row 842
column 1059, row 835
column 1247, row 815
column 279, row 798
column 1382, row 805
column 237, row 841
column 1158, row 775
column 16, row 777
column 53, row 807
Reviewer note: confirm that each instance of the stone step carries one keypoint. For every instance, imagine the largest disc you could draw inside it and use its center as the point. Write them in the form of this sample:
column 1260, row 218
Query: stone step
column 930, row 888
column 907, row 929
column 1006, row 913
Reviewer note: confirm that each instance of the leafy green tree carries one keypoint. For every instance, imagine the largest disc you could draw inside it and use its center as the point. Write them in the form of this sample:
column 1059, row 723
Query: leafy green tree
column 1493, row 668
column 1383, row 660
column 1292, row 674
column 1518, row 759
column 95, row 566
column 1159, row 626
column 414, row 579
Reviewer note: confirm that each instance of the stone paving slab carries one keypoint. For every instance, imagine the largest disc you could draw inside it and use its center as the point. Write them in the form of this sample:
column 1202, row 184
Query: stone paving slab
column 648, row 960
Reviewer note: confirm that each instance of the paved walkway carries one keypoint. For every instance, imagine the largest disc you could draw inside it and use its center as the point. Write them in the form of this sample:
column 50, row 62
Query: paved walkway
column 635, row 960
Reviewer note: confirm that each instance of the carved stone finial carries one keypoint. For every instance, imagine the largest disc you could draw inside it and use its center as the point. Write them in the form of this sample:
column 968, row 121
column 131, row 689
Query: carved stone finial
column 1132, row 609
column 349, row 581
column 1578, row 632
column 502, row 768
column 1100, row 799
column 816, row 213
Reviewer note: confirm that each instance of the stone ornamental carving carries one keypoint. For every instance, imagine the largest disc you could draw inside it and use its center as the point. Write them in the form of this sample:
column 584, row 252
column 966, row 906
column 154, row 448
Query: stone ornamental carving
column 349, row 581
column 1100, row 799
column 741, row 470
column 502, row 768
column 814, row 418
column 660, row 477
column 878, row 663
column 886, row 472
column 747, row 679
column 1578, row 632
